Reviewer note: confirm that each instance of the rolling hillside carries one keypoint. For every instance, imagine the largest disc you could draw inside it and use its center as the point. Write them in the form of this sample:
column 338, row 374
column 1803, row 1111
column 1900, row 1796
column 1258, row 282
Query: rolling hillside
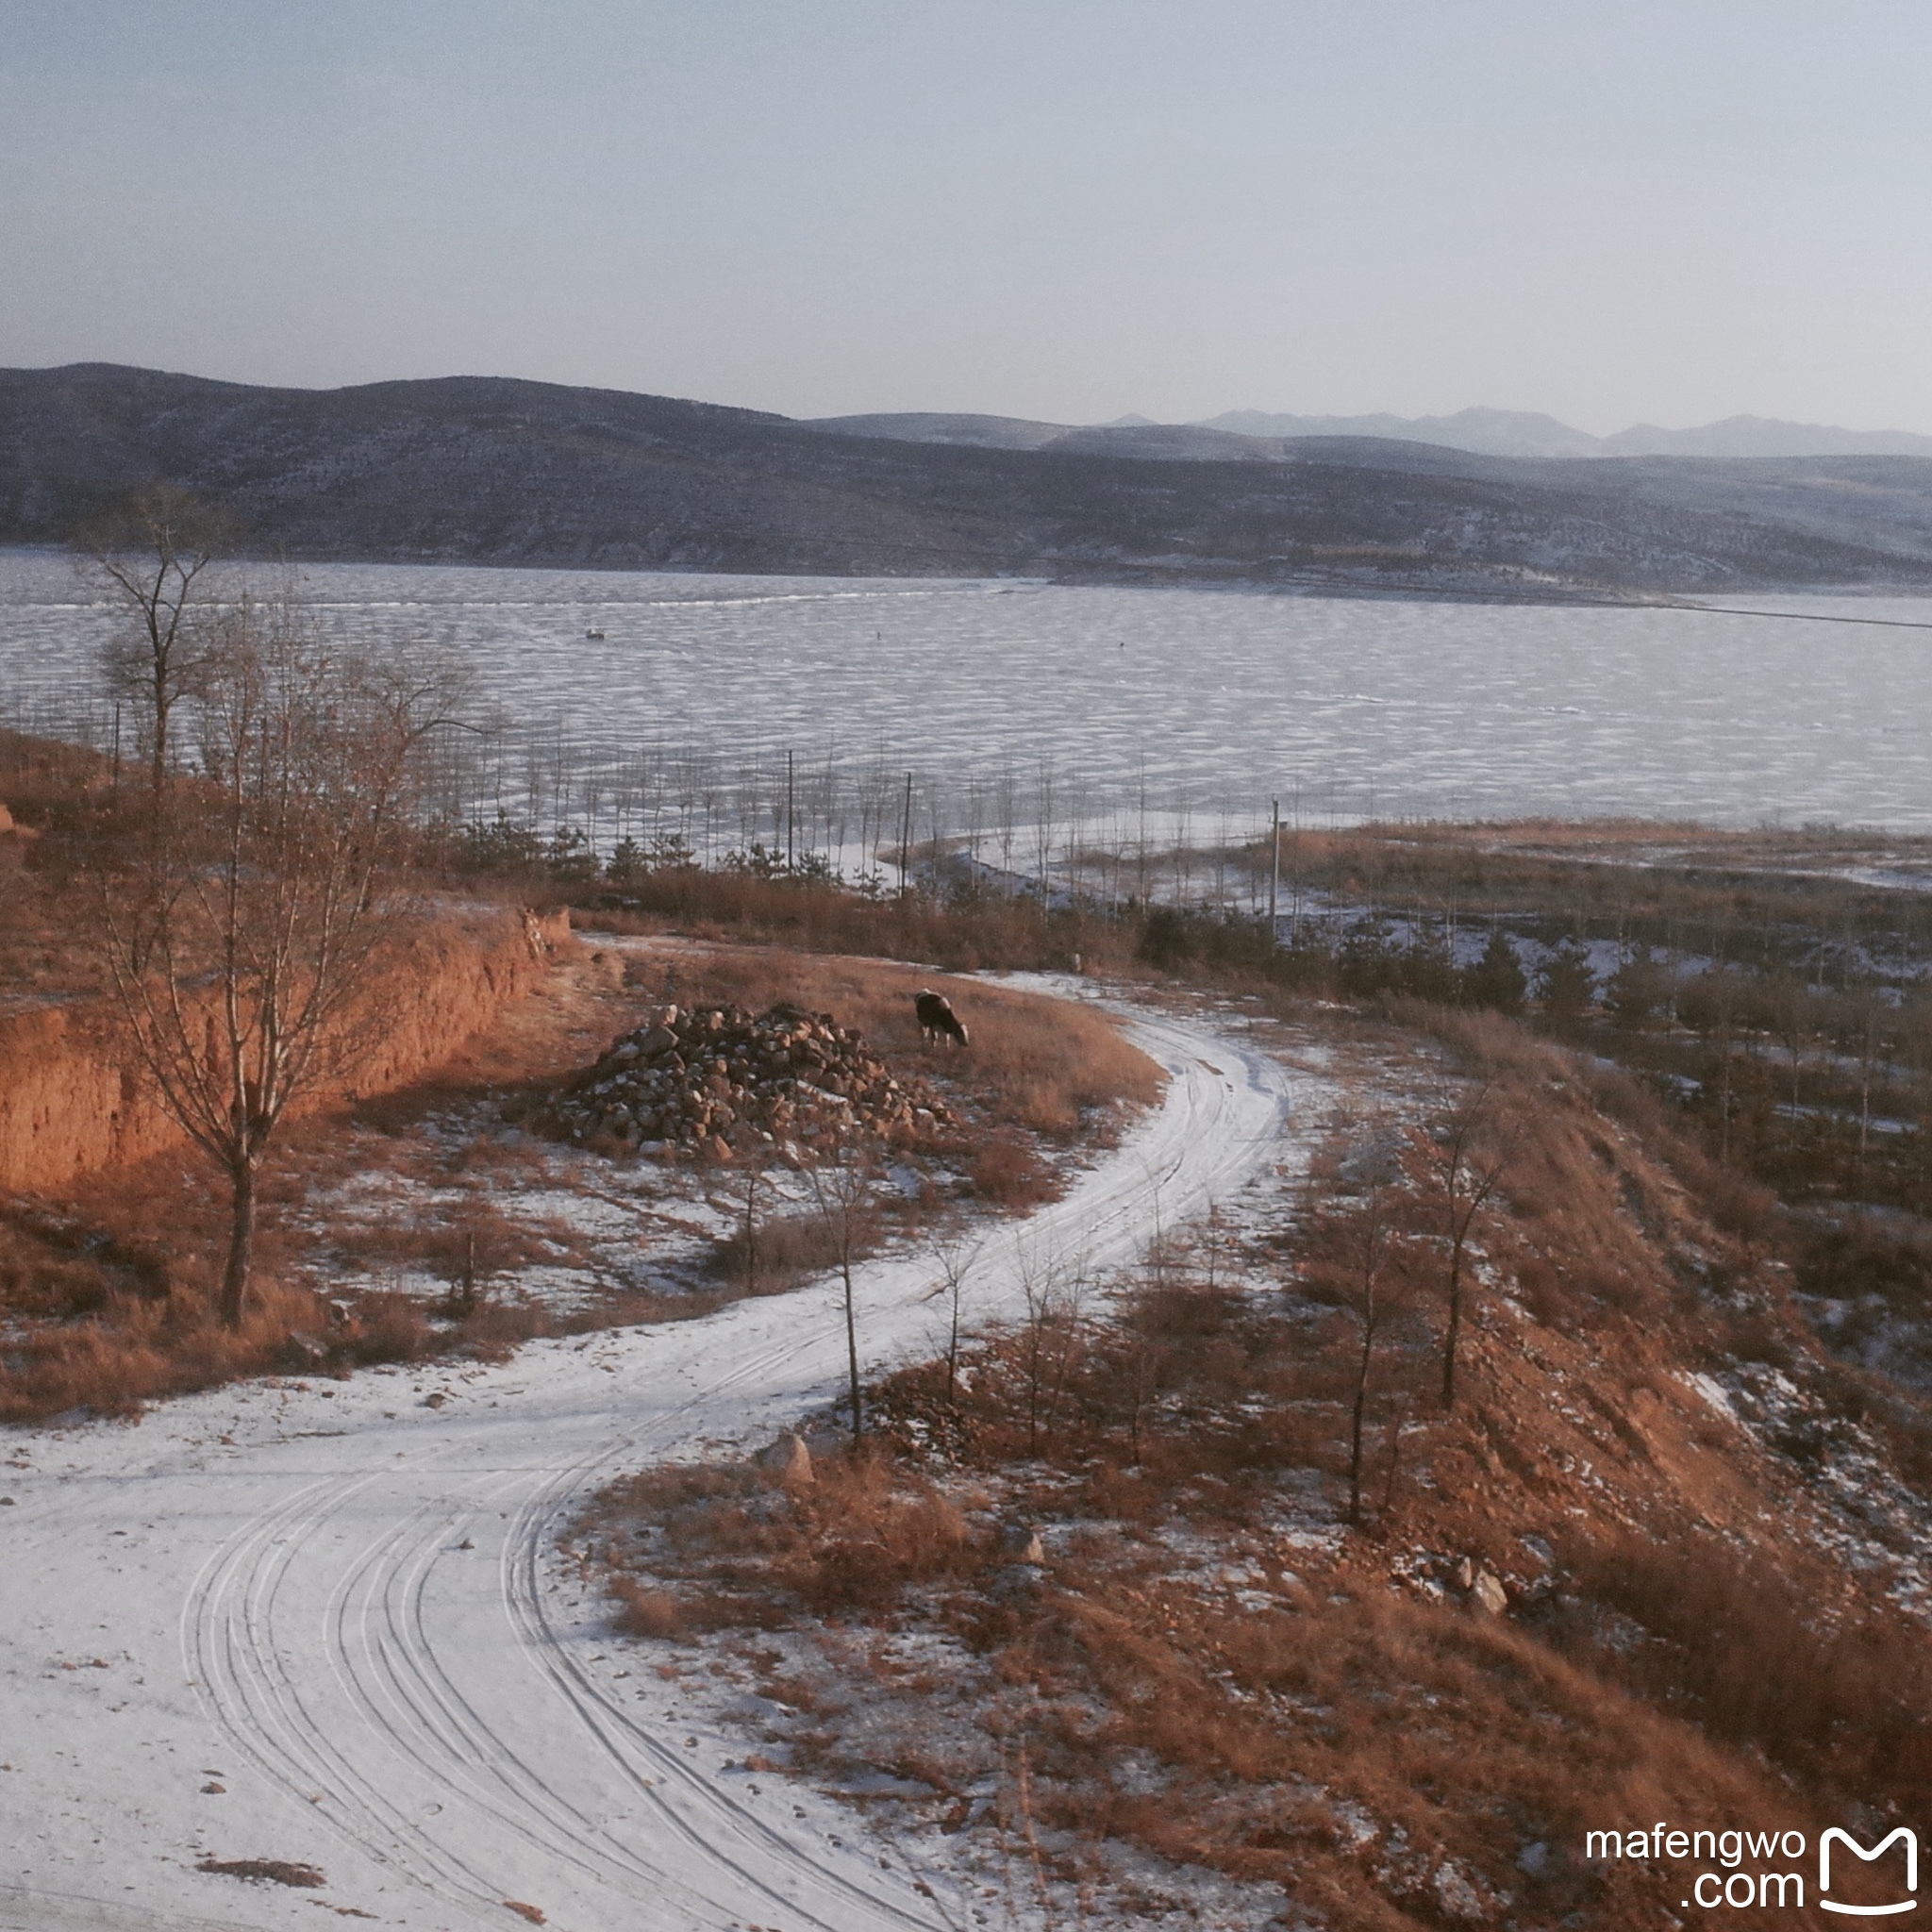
column 489, row 469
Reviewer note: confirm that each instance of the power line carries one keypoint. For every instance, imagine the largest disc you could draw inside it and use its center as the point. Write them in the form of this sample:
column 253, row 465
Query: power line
column 1793, row 616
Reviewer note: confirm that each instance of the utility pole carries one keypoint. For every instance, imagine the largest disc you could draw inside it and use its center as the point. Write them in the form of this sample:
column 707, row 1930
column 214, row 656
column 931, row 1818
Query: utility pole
column 1295, row 912
column 906, row 843
column 1274, row 873
column 790, row 811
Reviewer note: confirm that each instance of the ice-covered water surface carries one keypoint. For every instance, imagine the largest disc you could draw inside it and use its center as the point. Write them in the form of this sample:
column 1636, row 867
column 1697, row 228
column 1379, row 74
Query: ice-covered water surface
column 1217, row 697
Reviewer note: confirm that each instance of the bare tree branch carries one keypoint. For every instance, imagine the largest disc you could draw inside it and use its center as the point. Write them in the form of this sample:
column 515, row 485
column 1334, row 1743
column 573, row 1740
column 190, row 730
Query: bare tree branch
column 156, row 552
column 243, row 922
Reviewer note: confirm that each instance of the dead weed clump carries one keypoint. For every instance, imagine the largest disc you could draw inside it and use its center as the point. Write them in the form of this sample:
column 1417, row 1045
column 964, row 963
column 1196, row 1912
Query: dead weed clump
column 740, row 1547
column 1008, row 1173
column 128, row 1352
column 774, row 1254
column 464, row 1242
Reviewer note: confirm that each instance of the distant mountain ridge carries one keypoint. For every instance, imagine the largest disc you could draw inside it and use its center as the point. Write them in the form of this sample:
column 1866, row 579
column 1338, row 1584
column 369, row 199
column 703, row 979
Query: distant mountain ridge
column 1524, row 433
column 492, row 469
column 1130, row 437
column 1478, row 431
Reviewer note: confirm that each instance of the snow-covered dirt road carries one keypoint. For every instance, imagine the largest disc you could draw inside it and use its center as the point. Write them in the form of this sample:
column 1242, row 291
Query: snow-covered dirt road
column 329, row 1626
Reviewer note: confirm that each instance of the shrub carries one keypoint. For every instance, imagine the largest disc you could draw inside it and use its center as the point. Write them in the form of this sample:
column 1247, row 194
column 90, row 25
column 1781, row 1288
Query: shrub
column 1008, row 1173
column 784, row 1248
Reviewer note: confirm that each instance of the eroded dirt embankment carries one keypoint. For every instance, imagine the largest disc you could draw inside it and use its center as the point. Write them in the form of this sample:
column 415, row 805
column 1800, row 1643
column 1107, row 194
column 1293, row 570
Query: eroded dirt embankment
column 70, row 1103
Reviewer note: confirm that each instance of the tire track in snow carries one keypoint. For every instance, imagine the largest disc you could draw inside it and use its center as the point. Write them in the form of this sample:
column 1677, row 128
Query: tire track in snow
column 426, row 1700
column 236, row 1656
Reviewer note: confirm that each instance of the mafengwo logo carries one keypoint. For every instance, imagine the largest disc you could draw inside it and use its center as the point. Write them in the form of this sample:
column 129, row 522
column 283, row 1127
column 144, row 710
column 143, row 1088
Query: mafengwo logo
column 1901, row 1837
column 1780, row 1860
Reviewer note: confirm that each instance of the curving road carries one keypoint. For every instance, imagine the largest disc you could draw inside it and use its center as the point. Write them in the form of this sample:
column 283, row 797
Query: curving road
column 350, row 1617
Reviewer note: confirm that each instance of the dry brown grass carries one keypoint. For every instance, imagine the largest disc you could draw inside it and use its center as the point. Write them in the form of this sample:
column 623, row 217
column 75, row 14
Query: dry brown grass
column 1763, row 1652
column 130, row 1350
column 446, row 1238
column 49, row 790
column 1460, row 1739
column 785, row 1249
column 1364, row 1732
column 747, row 1551
column 1008, row 1173
column 1271, row 1735
column 133, row 1351
column 1051, row 1066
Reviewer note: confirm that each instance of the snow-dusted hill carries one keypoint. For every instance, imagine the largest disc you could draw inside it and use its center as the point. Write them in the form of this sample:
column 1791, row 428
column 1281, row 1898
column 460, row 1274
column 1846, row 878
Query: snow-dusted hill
column 486, row 470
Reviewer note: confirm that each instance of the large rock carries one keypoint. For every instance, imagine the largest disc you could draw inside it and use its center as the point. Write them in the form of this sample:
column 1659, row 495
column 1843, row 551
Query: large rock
column 789, row 1459
column 1020, row 1543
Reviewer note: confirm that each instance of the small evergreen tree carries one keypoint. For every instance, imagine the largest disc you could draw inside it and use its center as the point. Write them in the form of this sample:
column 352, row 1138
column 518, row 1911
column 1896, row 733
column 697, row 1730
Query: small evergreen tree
column 626, row 865
column 1166, row 941
column 568, row 858
column 1566, row 988
column 1497, row 979
column 1368, row 960
column 1426, row 968
column 499, row 844
column 1639, row 988
column 671, row 852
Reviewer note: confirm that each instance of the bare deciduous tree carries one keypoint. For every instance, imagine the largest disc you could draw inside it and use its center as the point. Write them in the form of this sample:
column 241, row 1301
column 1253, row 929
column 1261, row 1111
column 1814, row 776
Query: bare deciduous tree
column 1370, row 1240
column 843, row 1196
column 1358, row 1234
column 751, row 1178
column 1053, row 1333
column 155, row 552
column 1469, row 1165
column 241, row 920
column 956, row 1263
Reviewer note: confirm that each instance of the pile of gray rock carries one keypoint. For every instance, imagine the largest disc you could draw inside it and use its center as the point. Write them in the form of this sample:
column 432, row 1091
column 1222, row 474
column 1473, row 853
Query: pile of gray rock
column 720, row 1081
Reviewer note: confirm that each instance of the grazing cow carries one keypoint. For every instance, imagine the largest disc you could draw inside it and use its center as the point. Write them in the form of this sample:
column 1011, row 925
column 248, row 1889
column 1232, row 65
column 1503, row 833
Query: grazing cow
column 937, row 1019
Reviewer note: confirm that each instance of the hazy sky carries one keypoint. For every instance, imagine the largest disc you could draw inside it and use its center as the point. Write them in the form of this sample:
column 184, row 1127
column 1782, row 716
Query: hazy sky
column 1066, row 208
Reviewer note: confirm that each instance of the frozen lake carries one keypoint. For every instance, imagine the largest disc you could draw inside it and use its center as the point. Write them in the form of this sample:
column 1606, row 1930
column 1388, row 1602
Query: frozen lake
column 1211, row 699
